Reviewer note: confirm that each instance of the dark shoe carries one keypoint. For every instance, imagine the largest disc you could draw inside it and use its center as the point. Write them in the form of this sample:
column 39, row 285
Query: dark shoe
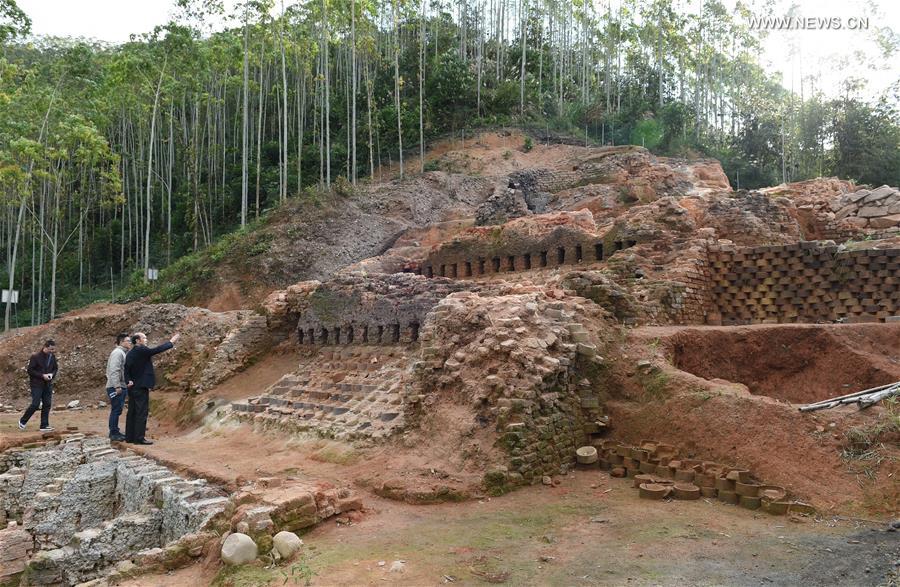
column 21, row 425
column 143, row 441
column 117, row 437
column 47, row 428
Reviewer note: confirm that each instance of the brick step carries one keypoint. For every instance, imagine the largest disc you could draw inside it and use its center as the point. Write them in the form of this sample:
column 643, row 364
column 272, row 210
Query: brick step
column 333, row 405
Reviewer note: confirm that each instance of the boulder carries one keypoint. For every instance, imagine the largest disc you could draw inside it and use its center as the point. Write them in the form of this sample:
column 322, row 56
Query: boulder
column 879, row 194
column 872, row 211
column 855, row 222
column 287, row 544
column 239, row 549
column 884, row 221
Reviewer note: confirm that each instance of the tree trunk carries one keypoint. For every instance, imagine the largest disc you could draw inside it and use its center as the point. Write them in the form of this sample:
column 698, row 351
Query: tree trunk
column 245, row 162
column 397, row 83
column 284, row 99
column 421, row 87
column 354, row 77
column 150, row 173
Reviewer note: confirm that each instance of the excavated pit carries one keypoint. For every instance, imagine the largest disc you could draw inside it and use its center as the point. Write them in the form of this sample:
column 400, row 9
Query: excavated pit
column 74, row 508
column 793, row 363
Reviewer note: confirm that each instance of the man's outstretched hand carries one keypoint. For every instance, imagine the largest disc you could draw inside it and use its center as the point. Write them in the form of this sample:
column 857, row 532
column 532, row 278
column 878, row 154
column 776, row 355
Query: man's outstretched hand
column 175, row 338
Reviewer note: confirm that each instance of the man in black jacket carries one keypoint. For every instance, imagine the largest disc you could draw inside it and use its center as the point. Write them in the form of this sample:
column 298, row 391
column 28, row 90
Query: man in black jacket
column 141, row 378
column 42, row 368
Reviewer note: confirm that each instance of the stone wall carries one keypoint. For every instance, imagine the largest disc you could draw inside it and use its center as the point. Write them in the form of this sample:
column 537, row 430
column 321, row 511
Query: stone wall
column 804, row 282
column 876, row 209
column 84, row 506
column 682, row 299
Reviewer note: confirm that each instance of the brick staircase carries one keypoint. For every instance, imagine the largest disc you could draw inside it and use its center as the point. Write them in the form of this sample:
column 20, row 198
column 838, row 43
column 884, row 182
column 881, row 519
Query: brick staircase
column 345, row 392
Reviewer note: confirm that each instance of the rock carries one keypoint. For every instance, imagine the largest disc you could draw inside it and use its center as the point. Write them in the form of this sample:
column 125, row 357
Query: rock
column 845, row 212
column 872, row 212
column 397, row 567
column 125, row 566
column 856, row 222
column 287, row 544
column 546, row 480
column 879, row 194
column 239, row 549
column 505, row 204
column 73, row 404
column 885, row 221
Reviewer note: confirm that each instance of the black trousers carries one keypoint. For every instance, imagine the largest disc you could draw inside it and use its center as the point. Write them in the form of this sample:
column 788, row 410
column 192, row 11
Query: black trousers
column 41, row 397
column 138, row 409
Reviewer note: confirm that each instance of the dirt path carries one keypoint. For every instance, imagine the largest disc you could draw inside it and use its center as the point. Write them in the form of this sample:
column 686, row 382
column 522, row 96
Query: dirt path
column 591, row 530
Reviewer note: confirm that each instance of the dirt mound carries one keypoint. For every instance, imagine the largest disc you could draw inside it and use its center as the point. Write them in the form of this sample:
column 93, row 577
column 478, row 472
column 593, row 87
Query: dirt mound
column 841, row 459
column 306, row 239
column 213, row 347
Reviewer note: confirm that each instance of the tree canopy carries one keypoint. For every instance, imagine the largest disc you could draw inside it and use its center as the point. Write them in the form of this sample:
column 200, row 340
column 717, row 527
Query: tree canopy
column 115, row 159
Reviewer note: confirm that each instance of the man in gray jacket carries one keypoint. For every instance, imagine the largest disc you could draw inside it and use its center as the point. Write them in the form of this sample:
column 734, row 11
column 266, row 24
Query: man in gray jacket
column 116, row 388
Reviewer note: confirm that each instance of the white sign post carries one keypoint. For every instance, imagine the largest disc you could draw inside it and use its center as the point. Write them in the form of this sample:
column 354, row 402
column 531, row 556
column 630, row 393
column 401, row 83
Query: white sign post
column 152, row 274
column 6, row 296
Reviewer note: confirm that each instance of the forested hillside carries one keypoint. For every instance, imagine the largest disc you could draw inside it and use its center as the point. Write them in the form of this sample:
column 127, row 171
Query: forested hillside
column 117, row 159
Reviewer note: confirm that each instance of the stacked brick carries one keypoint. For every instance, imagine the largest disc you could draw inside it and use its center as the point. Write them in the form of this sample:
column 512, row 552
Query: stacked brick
column 337, row 392
column 804, row 282
column 16, row 545
column 524, row 362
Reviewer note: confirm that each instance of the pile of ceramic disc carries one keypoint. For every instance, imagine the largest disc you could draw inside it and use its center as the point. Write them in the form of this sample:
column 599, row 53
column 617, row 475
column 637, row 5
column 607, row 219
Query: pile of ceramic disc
column 658, row 473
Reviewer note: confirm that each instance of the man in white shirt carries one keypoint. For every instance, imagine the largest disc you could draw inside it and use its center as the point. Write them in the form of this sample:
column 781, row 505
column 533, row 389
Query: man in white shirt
column 116, row 388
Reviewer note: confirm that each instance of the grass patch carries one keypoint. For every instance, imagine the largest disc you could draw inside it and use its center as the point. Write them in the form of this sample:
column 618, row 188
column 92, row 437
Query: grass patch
column 864, row 446
column 194, row 272
column 324, row 451
column 655, row 384
column 336, row 453
column 298, row 572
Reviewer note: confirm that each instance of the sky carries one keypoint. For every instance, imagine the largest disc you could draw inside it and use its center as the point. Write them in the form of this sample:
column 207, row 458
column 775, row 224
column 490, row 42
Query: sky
column 830, row 54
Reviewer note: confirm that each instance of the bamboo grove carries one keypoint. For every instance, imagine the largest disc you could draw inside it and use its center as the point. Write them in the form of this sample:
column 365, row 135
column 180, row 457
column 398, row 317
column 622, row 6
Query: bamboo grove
column 118, row 159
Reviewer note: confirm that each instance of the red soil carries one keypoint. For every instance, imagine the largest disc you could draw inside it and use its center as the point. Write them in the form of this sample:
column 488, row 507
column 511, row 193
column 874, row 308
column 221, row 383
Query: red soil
column 715, row 419
column 800, row 364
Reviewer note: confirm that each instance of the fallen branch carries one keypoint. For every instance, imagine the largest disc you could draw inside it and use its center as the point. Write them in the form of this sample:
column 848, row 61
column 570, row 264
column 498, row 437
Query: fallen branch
column 863, row 399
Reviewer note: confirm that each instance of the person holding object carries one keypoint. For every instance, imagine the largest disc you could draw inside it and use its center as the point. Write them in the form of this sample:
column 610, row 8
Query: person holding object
column 141, row 379
column 42, row 368
column 115, row 384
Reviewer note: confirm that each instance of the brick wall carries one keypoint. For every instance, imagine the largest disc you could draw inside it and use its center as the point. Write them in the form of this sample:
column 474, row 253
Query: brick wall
column 803, row 282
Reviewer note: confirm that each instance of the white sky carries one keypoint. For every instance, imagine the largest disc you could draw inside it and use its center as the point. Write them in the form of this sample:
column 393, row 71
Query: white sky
column 832, row 54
